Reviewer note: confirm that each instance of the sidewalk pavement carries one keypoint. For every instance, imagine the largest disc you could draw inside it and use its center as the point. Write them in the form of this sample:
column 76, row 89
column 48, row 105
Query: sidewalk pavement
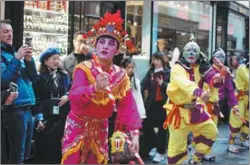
column 220, row 151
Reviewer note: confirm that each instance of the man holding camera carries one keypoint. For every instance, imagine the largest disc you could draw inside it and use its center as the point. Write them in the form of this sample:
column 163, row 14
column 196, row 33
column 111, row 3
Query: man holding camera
column 80, row 53
column 17, row 67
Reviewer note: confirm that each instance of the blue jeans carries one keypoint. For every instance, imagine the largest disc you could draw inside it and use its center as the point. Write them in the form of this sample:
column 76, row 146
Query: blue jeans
column 20, row 131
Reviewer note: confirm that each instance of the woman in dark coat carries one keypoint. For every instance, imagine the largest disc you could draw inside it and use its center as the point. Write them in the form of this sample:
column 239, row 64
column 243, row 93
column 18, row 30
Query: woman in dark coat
column 51, row 90
column 155, row 82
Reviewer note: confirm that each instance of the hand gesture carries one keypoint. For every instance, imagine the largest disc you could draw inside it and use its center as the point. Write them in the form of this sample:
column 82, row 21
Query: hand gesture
column 40, row 126
column 159, row 80
column 11, row 97
column 23, row 52
column 84, row 47
column 63, row 101
column 28, row 56
column 102, row 80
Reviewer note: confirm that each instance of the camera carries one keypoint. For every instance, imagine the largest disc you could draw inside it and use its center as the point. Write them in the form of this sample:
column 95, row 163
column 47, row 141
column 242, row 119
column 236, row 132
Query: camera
column 13, row 87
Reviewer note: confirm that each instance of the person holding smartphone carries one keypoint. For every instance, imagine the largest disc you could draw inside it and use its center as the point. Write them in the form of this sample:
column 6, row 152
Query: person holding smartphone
column 19, row 68
column 51, row 90
column 156, row 81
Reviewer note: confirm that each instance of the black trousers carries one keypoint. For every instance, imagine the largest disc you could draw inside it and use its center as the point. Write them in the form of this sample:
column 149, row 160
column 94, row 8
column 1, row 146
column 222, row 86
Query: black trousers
column 48, row 142
column 225, row 110
column 155, row 118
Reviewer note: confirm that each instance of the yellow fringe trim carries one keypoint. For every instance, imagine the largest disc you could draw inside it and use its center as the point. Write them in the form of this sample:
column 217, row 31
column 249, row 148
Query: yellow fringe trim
column 85, row 66
column 101, row 98
column 71, row 151
column 96, row 151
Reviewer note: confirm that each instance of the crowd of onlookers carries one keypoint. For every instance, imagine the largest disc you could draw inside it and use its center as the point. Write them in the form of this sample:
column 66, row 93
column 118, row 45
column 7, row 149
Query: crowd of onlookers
column 30, row 110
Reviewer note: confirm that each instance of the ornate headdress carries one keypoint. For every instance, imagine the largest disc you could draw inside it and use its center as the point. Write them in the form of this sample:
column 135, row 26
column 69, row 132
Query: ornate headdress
column 111, row 25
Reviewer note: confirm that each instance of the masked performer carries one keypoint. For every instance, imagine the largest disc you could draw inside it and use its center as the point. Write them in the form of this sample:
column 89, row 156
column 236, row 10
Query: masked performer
column 239, row 117
column 86, row 130
column 186, row 108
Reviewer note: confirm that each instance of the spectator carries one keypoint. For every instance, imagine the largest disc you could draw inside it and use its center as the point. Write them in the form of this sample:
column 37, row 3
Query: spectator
column 156, row 81
column 80, row 53
column 51, row 90
column 129, row 65
column 234, row 63
column 18, row 67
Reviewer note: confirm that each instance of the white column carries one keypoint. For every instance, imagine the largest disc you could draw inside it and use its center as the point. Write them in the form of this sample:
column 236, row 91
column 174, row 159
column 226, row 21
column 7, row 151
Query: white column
column 2, row 7
column 214, row 28
column 142, row 62
column 146, row 28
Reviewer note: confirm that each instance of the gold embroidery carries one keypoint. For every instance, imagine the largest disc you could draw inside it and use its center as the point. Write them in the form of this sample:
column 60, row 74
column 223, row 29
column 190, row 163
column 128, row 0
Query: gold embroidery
column 71, row 151
column 96, row 151
column 119, row 88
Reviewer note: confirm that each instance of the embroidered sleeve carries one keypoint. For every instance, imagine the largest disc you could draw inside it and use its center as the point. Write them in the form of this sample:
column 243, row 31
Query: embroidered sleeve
column 81, row 90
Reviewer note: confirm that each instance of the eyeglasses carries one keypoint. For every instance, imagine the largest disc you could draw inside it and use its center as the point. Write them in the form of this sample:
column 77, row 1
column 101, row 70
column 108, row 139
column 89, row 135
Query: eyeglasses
column 81, row 41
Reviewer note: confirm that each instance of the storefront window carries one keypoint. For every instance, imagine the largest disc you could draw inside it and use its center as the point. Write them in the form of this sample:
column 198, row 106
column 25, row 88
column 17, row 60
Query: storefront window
column 134, row 11
column 46, row 22
column 236, row 31
column 175, row 21
column 77, row 16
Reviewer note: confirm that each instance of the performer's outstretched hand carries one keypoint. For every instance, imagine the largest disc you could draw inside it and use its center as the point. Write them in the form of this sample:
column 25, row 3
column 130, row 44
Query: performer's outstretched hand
column 102, row 80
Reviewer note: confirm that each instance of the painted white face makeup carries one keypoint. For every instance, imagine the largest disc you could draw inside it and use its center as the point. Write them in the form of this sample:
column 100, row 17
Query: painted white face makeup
column 106, row 48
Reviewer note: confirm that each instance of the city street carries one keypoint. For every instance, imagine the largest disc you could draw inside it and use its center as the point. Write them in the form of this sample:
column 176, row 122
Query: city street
column 220, row 151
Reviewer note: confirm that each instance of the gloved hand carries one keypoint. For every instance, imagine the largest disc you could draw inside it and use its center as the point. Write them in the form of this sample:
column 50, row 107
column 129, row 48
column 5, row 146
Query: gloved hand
column 198, row 92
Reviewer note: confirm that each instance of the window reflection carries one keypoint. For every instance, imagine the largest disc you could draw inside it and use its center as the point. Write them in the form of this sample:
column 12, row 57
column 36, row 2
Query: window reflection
column 174, row 21
column 134, row 11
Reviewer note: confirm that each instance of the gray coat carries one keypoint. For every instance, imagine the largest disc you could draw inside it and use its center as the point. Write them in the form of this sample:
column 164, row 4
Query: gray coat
column 69, row 64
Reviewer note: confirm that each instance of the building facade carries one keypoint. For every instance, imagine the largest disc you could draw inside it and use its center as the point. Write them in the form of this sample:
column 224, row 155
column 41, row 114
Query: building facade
column 152, row 25
column 170, row 24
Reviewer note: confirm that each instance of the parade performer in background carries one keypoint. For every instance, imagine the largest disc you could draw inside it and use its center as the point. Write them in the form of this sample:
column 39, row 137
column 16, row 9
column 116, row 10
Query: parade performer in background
column 226, row 90
column 186, row 108
column 239, row 117
column 86, row 130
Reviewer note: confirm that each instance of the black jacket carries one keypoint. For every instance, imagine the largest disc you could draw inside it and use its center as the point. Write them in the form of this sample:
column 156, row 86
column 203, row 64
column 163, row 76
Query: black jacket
column 44, row 88
column 151, row 85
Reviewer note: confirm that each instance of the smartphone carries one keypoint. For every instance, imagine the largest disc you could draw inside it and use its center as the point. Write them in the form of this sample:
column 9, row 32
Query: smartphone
column 28, row 41
column 13, row 87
